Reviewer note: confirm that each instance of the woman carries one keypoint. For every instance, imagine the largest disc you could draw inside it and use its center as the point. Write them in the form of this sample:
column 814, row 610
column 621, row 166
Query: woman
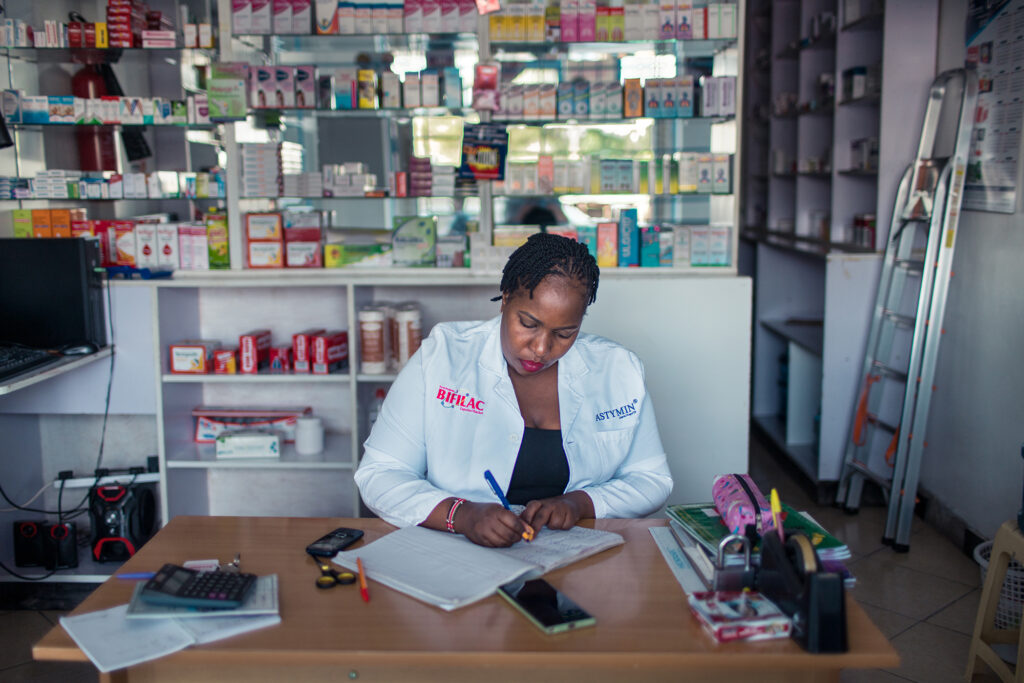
column 561, row 419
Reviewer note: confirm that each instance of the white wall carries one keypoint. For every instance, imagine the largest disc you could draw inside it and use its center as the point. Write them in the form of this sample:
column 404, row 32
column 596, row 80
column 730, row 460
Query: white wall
column 976, row 427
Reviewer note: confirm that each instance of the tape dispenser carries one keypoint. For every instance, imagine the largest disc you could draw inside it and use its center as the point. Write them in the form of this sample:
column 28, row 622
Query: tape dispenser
column 791, row 576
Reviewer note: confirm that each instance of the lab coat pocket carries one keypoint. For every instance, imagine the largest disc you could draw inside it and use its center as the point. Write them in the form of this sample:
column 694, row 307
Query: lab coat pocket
column 611, row 447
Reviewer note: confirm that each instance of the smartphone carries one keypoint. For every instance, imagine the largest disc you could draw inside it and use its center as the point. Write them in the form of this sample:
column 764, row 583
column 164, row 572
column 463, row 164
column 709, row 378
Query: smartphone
column 548, row 608
column 329, row 545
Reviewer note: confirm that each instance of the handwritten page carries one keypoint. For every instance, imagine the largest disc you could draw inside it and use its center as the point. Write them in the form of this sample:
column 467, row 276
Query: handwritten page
column 450, row 571
column 112, row 642
column 552, row 549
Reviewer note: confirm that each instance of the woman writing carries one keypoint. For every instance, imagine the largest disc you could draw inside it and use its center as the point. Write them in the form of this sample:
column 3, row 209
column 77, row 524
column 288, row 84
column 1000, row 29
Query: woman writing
column 562, row 419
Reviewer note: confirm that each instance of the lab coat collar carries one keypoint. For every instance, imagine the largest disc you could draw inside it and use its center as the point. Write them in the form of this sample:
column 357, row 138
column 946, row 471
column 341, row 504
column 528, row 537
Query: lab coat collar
column 571, row 369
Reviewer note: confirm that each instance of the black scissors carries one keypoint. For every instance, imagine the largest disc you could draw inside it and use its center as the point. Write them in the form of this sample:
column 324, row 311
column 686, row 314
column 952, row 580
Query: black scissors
column 330, row 577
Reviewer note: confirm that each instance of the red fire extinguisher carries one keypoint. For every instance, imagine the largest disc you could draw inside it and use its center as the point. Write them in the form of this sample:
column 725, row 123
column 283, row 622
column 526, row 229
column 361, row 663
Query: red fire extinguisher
column 96, row 151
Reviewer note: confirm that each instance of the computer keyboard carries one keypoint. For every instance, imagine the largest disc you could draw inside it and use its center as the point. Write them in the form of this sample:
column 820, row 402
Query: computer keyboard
column 15, row 360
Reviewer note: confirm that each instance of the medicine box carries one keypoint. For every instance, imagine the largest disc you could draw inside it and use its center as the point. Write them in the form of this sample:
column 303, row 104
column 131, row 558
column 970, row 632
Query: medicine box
column 650, row 246
column 699, row 245
column 718, row 245
column 329, row 352
column 721, row 182
column 263, row 226
column 607, row 245
column 252, row 350
column 705, row 171
column 629, row 239
column 248, row 443
column 414, row 241
column 265, row 254
column 193, row 356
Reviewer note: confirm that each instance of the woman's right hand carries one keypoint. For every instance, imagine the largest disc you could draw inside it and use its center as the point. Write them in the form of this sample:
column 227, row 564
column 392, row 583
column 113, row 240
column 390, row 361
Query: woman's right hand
column 488, row 524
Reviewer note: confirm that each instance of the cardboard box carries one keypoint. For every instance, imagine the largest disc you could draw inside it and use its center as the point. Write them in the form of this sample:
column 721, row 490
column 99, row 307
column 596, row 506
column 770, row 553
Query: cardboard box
column 264, row 226
column 681, row 247
column 629, row 239
column 265, row 254
column 280, row 359
column 650, row 246
column 721, row 182
column 302, row 346
column 225, row 361
column 167, row 246
column 607, row 245
column 300, row 254
column 248, row 443
column 253, row 347
column 192, row 357
column 329, row 352
column 414, row 241
column 699, row 245
column 146, row 252
column 718, row 245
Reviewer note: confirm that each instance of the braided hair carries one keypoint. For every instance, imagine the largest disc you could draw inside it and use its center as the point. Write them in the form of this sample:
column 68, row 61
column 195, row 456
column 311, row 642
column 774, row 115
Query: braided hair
column 546, row 254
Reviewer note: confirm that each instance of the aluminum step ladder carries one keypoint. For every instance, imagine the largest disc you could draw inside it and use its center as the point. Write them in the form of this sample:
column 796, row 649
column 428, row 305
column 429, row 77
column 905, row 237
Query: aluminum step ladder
column 902, row 349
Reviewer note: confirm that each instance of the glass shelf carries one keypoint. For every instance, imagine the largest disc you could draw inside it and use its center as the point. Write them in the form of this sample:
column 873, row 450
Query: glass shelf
column 73, row 126
column 684, row 48
column 94, row 55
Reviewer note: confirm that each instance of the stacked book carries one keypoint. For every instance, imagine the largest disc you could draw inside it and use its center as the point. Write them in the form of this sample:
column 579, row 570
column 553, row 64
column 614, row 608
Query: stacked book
column 699, row 529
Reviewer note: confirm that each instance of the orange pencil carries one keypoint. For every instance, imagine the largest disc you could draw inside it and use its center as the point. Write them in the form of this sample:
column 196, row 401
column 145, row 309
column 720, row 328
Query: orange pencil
column 362, row 580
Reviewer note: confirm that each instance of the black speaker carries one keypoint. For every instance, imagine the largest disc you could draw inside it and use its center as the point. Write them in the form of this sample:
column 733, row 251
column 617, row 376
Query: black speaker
column 60, row 546
column 123, row 518
column 28, row 543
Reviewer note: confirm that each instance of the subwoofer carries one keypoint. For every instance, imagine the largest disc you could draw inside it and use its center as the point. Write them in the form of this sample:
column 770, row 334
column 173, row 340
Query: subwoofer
column 123, row 518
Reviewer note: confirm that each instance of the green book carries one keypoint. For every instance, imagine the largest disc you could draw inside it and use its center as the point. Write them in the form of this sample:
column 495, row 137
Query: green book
column 702, row 521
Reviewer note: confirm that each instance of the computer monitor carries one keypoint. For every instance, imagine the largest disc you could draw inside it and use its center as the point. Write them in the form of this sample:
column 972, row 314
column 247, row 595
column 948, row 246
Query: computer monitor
column 51, row 293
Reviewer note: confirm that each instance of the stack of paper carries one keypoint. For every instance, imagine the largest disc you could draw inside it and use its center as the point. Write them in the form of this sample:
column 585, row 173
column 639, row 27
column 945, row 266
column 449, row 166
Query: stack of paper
column 137, row 632
column 450, row 571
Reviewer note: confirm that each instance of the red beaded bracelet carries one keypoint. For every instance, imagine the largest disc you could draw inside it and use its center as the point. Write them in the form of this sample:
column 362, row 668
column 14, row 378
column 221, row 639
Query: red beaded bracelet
column 450, row 522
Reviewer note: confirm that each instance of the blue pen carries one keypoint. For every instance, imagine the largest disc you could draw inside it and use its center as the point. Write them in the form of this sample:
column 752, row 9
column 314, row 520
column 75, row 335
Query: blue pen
column 529, row 533
column 138, row 576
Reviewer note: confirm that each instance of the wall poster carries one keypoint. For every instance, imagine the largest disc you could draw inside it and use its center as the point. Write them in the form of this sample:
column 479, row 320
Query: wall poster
column 995, row 46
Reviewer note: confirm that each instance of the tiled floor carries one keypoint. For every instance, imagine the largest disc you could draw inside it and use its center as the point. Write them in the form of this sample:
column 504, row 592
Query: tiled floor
column 924, row 601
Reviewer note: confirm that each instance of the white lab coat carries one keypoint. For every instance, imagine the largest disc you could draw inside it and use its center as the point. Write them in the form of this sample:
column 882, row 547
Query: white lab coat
column 452, row 413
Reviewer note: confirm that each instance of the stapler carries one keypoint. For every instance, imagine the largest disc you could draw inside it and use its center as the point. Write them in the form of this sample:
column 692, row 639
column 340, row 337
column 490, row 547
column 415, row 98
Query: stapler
column 790, row 576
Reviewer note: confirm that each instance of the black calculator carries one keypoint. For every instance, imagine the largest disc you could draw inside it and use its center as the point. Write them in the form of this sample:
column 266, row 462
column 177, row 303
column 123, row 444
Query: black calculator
column 176, row 586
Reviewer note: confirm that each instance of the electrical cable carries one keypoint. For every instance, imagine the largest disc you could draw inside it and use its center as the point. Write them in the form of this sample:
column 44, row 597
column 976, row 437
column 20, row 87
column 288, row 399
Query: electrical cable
column 27, row 502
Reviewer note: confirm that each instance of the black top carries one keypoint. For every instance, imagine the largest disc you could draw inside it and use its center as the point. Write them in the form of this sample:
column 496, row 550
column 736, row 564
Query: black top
column 542, row 470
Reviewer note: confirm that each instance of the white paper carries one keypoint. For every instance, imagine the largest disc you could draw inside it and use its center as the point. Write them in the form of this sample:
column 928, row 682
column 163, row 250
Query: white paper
column 217, row 628
column 551, row 549
column 450, row 571
column 112, row 642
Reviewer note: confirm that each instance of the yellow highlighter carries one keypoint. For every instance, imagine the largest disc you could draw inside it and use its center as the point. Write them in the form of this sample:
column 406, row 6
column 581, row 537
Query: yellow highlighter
column 777, row 514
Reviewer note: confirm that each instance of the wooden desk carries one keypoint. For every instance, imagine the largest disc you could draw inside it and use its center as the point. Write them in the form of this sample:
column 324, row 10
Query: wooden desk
column 644, row 630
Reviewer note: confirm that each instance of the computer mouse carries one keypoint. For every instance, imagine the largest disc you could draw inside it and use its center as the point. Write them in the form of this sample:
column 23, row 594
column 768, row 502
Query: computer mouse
column 79, row 350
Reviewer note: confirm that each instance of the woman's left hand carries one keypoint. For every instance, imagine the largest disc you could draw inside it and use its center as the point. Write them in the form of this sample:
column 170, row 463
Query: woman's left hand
column 560, row 512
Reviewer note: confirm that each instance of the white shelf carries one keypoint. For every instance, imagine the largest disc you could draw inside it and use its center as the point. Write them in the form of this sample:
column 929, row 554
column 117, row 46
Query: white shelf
column 804, row 455
column 337, row 455
column 123, row 478
column 65, row 364
column 259, row 378
column 87, row 571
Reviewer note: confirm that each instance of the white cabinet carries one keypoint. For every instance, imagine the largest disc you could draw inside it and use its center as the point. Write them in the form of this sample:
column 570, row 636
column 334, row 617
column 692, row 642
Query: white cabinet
column 816, row 264
column 691, row 332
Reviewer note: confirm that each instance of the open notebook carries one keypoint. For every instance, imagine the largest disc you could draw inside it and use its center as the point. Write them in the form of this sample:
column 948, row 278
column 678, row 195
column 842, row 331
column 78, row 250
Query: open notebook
column 450, row 571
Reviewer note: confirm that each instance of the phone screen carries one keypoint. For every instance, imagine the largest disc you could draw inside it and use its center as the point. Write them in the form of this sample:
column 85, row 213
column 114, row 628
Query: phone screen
column 549, row 609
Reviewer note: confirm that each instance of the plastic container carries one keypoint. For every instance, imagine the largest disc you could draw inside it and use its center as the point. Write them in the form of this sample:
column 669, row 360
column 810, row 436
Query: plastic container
column 1011, row 594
